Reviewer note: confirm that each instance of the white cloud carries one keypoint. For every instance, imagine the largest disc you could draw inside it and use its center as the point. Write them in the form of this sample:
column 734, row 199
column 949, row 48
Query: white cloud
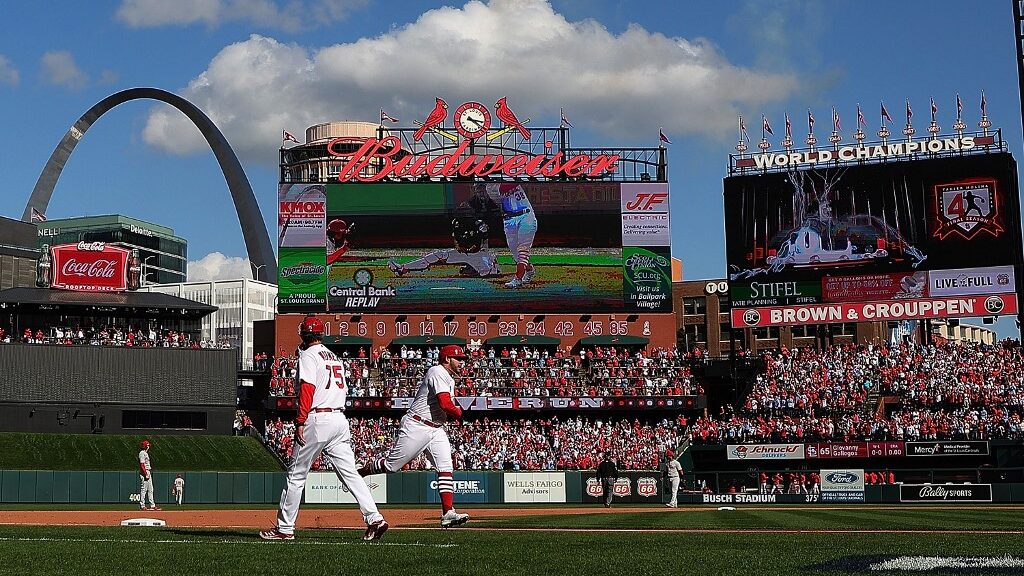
column 8, row 73
column 624, row 86
column 290, row 16
column 60, row 69
column 216, row 266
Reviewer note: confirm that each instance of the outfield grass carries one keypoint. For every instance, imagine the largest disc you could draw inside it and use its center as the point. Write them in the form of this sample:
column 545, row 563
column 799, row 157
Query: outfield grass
column 82, row 551
column 112, row 452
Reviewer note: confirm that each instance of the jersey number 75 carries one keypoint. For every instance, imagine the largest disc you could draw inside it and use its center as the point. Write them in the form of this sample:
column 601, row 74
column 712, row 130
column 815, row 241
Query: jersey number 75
column 337, row 376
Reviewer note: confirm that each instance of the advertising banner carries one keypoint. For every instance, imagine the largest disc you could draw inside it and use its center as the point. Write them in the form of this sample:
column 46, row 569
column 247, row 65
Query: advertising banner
column 961, row 448
column 868, row 287
column 759, row 293
column 325, row 488
column 301, row 278
column 749, row 498
column 766, row 452
column 90, row 267
column 959, row 307
column 645, row 215
column 992, row 280
column 647, row 274
column 945, row 493
column 301, row 215
column 469, row 486
column 535, row 487
column 632, row 486
column 867, row 233
column 842, row 485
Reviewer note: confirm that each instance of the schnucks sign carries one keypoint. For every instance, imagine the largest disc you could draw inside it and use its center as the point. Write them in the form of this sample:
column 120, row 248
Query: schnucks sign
column 90, row 267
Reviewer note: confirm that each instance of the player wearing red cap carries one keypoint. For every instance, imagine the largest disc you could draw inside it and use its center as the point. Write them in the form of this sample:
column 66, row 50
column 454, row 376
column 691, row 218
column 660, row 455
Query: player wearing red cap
column 423, row 429
column 321, row 426
column 146, row 478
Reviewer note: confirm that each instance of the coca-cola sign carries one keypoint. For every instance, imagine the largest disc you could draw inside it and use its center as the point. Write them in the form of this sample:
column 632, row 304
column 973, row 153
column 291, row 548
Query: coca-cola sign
column 90, row 267
column 945, row 493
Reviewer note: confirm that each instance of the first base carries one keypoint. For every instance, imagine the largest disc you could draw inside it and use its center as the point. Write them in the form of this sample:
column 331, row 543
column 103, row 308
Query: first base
column 143, row 522
column 726, row 508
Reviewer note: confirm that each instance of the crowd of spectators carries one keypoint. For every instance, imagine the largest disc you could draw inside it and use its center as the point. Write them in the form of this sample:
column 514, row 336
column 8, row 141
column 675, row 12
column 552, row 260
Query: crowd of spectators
column 110, row 335
column 512, row 371
column 950, row 391
column 520, row 444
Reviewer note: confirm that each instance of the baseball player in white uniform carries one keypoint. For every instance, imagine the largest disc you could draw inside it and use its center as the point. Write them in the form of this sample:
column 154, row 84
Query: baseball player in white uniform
column 179, row 489
column 470, row 235
column 146, row 479
column 520, row 223
column 675, row 474
column 321, row 426
column 422, row 429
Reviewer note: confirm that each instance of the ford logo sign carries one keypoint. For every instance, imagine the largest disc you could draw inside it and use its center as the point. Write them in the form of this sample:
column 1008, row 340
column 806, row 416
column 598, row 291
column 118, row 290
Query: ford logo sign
column 842, row 477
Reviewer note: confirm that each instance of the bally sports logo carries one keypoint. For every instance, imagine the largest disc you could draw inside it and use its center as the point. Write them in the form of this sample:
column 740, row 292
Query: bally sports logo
column 766, row 452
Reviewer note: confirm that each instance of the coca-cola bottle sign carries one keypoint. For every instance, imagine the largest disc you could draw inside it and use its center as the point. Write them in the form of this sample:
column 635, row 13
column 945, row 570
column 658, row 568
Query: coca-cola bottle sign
column 90, row 267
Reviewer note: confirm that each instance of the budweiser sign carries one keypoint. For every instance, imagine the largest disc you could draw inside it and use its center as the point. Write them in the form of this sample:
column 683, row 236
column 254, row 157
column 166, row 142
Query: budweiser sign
column 377, row 159
column 90, row 267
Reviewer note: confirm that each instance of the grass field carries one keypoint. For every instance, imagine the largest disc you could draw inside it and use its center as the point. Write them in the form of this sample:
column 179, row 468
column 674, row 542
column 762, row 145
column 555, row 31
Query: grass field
column 113, row 452
column 752, row 542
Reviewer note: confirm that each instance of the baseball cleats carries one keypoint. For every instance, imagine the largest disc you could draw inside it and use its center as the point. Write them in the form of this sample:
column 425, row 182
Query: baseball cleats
column 154, row 508
column 275, row 534
column 529, row 274
column 396, row 268
column 515, row 282
column 452, row 519
column 376, row 530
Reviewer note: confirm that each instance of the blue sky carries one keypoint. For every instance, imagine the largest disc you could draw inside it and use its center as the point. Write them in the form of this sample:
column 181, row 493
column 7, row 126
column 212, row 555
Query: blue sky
column 620, row 70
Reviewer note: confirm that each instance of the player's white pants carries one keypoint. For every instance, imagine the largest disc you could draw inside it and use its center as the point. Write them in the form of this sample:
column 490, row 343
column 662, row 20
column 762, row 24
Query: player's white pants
column 179, row 495
column 326, row 432
column 674, row 490
column 146, row 490
column 519, row 232
column 415, row 437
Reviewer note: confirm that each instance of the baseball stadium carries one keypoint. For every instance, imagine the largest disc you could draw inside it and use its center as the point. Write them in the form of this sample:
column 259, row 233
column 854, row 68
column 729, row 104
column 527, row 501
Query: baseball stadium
column 484, row 360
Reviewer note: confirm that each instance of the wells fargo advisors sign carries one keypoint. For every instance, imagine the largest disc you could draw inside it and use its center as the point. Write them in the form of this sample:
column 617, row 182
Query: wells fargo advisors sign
column 90, row 267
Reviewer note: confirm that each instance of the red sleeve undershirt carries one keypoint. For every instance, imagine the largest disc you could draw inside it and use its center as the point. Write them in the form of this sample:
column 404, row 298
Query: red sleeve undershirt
column 444, row 399
column 305, row 402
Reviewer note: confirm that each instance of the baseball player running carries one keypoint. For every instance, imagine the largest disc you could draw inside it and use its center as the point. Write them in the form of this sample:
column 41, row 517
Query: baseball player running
column 423, row 428
column 146, row 479
column 520, row 223
column 321, row 426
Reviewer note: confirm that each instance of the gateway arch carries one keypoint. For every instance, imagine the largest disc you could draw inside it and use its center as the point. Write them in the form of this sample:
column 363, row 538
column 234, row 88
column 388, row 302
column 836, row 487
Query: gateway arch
column 254, row 230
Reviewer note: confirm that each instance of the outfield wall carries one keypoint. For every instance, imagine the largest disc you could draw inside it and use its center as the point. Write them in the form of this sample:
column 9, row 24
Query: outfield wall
column 571, row 487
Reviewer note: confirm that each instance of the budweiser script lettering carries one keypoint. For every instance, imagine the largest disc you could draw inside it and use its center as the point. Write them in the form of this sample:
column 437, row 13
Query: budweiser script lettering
column 97, row 269
column 391, row 160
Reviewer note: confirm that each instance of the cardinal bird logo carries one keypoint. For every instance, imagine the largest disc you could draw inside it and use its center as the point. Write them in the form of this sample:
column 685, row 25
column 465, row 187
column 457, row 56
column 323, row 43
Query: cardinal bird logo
column 435, row 118
column 506, row 115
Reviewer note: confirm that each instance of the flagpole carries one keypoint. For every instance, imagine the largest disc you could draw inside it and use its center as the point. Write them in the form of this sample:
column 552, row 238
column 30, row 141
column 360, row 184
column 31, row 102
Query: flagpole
column 741, row 146
column 984, row 124
column 933, row 127
column 883, row 132
column 908, row 130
